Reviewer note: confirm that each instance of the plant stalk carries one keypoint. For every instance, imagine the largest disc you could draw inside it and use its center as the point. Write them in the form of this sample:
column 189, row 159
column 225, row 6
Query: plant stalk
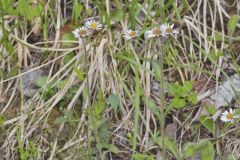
column 162, row 96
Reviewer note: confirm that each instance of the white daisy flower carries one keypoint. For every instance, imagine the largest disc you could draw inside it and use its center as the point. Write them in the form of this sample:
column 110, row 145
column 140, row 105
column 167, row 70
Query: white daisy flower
column 81, row 32
column 130, row 34
column 94, row 25
column 228, row 116
column 167, row 29
column 155, row 32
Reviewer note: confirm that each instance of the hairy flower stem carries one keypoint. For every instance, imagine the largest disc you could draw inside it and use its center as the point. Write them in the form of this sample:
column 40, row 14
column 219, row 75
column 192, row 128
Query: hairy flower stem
column 89, row 102
column 162, row 95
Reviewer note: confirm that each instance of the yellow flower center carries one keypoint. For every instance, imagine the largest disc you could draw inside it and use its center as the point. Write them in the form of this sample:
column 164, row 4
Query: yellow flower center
column 82, row 32
column 229, row 116
column 132, row 34
column 169, row 30
column 157, row 32
column 93, row 25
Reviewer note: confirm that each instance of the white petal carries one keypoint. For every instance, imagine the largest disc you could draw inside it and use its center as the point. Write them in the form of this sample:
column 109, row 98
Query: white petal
column 175, row 31
column 163, row 27
column 128, row 38
column 223, row 118
column 148, row 34
column 225, row 113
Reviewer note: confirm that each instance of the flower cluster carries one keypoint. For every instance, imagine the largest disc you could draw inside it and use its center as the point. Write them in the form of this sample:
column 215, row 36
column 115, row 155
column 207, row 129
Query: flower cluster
column 229, row 116
column 89, row 27
column 163, row 30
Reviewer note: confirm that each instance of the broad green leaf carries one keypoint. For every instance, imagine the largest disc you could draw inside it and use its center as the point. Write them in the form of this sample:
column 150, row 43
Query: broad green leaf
column 169, row 144
column 112, row 148
column 41, row 81
column 114, row 101
column 190, row 149
column 13, row 72
column 138, row 156
column 36, row 11
column 208, row 123
column 205, row 147
column 178, row 103
column 117, row 15
column 61, row 83
column 232, row 23
column 211, row 109
column 217, row 37
column 175, row 90
column 24, row 7
column 66, row 38
column 192, row 98
column 68, row 57
column 186, row 88
column 208, row 153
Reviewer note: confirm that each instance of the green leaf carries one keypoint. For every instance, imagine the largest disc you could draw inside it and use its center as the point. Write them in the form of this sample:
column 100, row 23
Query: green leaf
column 13, row 72
column 66, row 38
column 133, row 13
column 192, row 98
column 77, row 10
column 112, row 148
column 2, row 120
column 138, row 156
column 36, row 11
column 217, row 37
column 68, row 57
column 79, row 73
column 178, row 103
column 60, row 120
column 208, row 153
column 232, row 23
column 99, row 105
column 211, row 109
column 208, row 123
column 151, row 105
column 187, row 87
column 24, row 7
column 205, row 147
column 60, row 84
column 114, row 101
column 117, row 15
column 175, row 90
column 169, row 144
column 41, row 81
column 156, row 70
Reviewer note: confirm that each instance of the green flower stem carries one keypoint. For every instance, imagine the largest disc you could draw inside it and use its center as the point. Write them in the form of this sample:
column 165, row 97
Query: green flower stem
column 89, row 101
column 162, row 95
